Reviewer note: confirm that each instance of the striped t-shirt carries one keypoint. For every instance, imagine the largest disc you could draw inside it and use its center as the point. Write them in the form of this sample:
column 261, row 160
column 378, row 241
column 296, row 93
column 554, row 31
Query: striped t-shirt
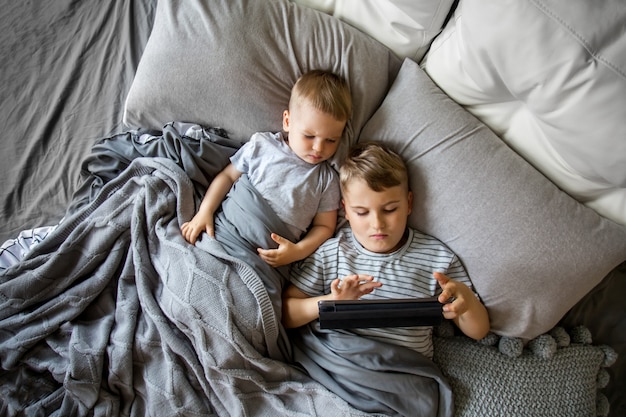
column 405, row 273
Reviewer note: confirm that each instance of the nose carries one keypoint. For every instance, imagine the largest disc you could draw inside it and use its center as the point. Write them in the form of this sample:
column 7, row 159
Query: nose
column 318, row 145
column 378, row 221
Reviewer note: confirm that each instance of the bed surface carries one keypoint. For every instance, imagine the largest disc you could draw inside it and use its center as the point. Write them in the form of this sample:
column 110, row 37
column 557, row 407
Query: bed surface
column 68, row 68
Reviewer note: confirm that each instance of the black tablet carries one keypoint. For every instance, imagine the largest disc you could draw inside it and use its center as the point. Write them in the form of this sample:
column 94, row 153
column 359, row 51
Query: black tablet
column 401, row 312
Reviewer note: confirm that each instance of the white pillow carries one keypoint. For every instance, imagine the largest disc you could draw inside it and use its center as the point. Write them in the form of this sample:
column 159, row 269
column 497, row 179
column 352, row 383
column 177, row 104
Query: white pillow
column 407, row 27
column 549, row 77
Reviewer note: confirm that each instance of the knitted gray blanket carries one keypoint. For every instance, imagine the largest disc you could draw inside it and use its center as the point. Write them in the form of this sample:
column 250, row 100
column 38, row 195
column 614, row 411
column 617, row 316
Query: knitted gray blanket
column 115, row 314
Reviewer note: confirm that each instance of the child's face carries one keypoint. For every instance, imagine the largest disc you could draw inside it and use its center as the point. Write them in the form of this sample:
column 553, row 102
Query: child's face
column 313, row 135
column 378, row 219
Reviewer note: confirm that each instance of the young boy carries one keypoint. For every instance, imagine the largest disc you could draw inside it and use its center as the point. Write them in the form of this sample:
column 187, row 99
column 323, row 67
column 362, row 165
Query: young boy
column 378, row 256
column 290, row 169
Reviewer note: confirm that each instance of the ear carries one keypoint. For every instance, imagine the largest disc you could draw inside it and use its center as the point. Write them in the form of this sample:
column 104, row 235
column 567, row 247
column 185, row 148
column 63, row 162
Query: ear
column 410, row 197
column 345, row 212
column 286, row 120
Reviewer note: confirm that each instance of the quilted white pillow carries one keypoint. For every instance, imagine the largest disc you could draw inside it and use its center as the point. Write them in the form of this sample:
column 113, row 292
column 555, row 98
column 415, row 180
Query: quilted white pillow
column 550, row 78
column 407, row 27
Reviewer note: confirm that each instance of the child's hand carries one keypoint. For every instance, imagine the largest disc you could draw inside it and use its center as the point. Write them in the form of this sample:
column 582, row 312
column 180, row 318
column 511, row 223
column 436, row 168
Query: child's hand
column 283, row 255
column 353, row 287
column 456, row 291
column 198, row 224
column 469, row 314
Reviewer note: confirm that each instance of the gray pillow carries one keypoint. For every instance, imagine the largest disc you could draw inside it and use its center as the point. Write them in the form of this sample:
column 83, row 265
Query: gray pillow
column 531, row 250
column 231, row 64
column 488, row 383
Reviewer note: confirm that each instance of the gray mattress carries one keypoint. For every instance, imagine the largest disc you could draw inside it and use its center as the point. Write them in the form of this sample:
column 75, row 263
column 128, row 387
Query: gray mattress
column 66, row 69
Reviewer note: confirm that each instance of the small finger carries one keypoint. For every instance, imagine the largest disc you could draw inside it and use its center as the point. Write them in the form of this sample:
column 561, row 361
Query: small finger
column 362, row 278
column 446, row 297
column 350, row 278
column 369, row 287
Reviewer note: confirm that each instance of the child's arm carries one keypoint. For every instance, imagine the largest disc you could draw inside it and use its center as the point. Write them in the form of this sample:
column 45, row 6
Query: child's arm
column 322, row 228
column 469, row 314
column 203, row 220
column 300, row 309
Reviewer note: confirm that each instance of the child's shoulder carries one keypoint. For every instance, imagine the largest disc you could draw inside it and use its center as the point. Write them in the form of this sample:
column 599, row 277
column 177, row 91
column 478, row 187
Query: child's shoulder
column 270, row 137
column 419, row 235
column 261, row 143
column 421, row 241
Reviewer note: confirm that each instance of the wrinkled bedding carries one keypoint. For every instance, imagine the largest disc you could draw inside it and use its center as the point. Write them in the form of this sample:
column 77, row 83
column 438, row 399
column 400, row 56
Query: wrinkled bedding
column 66, row 70
column 115, row 314
column 371, row 375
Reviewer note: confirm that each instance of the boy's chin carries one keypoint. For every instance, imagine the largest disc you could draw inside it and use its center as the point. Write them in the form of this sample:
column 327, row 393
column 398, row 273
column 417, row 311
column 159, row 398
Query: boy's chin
column 387, row 244
column 380, row 247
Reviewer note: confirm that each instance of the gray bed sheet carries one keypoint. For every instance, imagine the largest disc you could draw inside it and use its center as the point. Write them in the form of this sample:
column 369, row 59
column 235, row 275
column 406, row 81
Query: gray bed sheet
column 66, row 69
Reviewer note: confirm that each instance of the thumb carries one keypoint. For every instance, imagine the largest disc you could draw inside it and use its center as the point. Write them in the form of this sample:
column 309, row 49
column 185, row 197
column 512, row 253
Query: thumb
column 277, row 238
column 442, row 279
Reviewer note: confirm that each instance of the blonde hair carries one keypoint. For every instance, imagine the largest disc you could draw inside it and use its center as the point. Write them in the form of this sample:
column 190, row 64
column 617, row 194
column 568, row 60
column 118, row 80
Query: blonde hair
column 378, row 166
column 325, row 91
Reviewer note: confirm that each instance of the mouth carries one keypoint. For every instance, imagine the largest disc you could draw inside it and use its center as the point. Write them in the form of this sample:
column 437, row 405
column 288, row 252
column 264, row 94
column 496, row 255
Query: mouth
column 378, row 236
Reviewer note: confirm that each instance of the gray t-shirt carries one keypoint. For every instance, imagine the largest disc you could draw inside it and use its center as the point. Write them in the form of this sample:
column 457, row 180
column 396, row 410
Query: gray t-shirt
column 295, row 189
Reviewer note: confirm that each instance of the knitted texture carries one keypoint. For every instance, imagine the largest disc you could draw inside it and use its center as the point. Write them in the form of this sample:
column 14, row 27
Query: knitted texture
column 549, row 377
